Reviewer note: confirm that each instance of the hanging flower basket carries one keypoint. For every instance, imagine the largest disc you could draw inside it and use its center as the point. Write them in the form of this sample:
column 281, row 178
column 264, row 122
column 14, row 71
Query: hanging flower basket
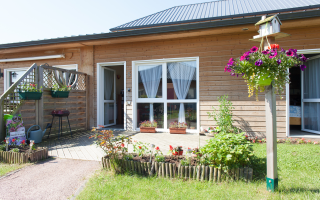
column 60, row 94
column 30, row 95
column 261, row 67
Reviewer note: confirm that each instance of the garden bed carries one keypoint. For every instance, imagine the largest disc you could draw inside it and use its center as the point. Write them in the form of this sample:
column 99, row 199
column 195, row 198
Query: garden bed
column 24, row 156
column 172, row 168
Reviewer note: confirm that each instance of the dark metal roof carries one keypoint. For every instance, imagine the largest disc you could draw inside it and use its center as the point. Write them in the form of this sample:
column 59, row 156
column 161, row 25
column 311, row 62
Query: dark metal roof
column 217, row 10
column 164, row 29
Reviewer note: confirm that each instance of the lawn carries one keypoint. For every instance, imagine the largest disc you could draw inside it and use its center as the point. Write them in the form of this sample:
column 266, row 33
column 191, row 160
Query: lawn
column 299, row 178
column 6, row 168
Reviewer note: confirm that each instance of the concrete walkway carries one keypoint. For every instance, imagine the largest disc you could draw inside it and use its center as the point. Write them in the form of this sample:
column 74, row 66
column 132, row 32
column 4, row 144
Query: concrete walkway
column 52, row 179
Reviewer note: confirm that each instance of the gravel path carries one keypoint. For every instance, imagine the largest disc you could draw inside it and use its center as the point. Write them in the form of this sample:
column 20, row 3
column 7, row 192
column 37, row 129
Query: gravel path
column 53, row 179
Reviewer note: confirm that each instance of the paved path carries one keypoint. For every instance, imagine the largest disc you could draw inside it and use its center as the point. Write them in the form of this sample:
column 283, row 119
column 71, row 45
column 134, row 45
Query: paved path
column 163, row 140
column 52, row 179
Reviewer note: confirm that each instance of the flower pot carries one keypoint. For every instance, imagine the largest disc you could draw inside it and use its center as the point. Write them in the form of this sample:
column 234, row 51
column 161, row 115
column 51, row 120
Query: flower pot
column 264, row 80
column 177, row 130
column 30, row 95
column 178, row 153
column 148, row 129
column 60, row 94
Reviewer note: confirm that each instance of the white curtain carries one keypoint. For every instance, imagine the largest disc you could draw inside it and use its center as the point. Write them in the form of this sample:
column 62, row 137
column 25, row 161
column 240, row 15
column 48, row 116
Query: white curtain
column 312, row 91
column 150, row 77
column 181, row 74
column 108, row 86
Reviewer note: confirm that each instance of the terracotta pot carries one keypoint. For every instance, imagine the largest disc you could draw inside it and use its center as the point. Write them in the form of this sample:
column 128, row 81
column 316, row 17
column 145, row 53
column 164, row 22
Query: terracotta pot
column 178, row 153
column 147, row 129
column 177, row 130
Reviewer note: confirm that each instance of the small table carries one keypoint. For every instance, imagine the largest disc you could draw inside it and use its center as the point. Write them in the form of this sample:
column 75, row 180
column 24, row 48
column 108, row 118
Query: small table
column 60, row 114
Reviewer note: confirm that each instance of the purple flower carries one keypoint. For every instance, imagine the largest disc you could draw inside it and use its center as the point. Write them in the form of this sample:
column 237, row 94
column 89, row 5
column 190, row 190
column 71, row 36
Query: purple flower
column 231, row 59
column 265, row 52
column 303, row 58
column 242, row 58
column 282, row 50
column 279, row 62
column 254, row 49
column 289, row 53
column 230, row 63
column 302, row 67
column 227, row 69
column 259, row 62
column 232, row 74
column 273, row 53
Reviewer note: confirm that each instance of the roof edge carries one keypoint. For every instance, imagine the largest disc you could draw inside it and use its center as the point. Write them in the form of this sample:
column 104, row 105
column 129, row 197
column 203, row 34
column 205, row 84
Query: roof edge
column 215, row 18
column 166, row 29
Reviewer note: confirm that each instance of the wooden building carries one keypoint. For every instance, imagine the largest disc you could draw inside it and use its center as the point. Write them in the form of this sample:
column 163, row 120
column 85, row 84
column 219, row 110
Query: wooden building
column 115, row 62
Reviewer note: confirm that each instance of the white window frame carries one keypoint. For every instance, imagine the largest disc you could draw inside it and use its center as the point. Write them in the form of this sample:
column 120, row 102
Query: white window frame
column 164, row 99
column 6, row 72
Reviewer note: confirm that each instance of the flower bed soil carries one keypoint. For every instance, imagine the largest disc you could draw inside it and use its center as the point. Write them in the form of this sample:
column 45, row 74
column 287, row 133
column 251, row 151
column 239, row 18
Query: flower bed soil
column 25, row 149
column 168, row 159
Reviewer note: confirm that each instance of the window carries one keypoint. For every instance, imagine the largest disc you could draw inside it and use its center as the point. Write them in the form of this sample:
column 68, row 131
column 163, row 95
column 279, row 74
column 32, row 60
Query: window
column 11, row 75
column 167, row 91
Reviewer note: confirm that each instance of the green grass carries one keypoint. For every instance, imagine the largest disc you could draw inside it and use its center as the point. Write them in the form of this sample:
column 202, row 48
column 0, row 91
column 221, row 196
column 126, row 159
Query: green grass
column 6, row 168
column 299, row 178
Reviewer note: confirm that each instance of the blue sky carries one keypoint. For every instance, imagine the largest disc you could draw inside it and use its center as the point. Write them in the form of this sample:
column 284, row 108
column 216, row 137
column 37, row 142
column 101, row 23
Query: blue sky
column 25, row 20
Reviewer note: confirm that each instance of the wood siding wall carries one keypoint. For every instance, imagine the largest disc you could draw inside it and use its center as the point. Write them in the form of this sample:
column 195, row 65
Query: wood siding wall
column 214, row 52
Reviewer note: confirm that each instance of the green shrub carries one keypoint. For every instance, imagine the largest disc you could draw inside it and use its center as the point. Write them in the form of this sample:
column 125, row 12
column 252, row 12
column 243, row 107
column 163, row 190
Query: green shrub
column 160, row 158
column 223, row 116
column 227, row 150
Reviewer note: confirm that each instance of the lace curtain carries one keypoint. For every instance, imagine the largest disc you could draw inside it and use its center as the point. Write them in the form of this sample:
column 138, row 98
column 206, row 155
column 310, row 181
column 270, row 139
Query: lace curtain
column 182, row 74
column 150, row 77
column 108, row 86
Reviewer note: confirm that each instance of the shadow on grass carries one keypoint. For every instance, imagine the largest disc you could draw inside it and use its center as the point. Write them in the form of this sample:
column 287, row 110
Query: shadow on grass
column 259, row 167
column 298, row 190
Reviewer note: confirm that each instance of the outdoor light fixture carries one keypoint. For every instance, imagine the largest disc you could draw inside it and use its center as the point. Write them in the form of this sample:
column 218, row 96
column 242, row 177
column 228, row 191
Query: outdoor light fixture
column 152, row 148
column 1, row 74
column 32, row 58
column 14, row 74
column 189, row 151
column 7, row 143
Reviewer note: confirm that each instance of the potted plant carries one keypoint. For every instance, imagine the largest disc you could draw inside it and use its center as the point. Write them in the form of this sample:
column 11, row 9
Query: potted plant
column 60, row 92
column 177, row 127
column 261, row 67
column 30, row 92
column 177, row 151
column 148, row 126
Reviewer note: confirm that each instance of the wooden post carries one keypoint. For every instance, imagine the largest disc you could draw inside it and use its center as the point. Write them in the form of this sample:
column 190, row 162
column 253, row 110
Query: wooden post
column 39, row 103
column 271, row 131
column 167, row 170
column 190, row 173
column 170, row 170
column 174, row 170
column 198, row 172
column 210, row 174
column 162, row 169
column 2, row 122
column 186, row 169
column 194, row 172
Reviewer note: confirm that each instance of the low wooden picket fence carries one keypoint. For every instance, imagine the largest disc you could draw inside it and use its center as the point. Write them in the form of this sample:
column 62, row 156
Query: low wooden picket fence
column 18, row 158
column 169, row 170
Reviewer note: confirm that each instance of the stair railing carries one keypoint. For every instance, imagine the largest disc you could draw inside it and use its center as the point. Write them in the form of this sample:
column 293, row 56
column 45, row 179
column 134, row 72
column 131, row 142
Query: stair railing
column 10, row 101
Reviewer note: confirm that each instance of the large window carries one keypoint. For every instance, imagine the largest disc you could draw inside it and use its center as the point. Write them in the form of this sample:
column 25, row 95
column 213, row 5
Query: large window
column 167, row 92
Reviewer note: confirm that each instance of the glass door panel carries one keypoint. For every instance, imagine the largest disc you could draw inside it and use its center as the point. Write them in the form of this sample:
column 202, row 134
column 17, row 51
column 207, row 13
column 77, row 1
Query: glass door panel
column 311, row 97
column 109, row 88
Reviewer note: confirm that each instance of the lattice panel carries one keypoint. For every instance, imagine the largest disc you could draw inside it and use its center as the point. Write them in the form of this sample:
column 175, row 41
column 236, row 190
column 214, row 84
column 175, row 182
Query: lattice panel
column 78, row 81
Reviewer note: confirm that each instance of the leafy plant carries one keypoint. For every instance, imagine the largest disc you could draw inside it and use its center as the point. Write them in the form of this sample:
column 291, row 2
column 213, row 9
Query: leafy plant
column 31, row 88
column 227, row 150
column 16, row 150
column 157, row 151
column 113, row 146
column 223, row 116
column 128, row 157
column 149, row 124
column 185, row 162
column 175, row 149
column 141, row 148
column 57, row 87
column 159, row 158
column 259, row 68
column 178, row 125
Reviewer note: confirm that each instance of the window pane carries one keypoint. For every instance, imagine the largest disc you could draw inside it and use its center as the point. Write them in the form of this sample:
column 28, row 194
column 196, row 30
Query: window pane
column 150, row 81
column 182, row 80
column 108, row 84
column 311, row 79
column 312, row 116
column 108, row 113
column 143, row 113
column 190, row 110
